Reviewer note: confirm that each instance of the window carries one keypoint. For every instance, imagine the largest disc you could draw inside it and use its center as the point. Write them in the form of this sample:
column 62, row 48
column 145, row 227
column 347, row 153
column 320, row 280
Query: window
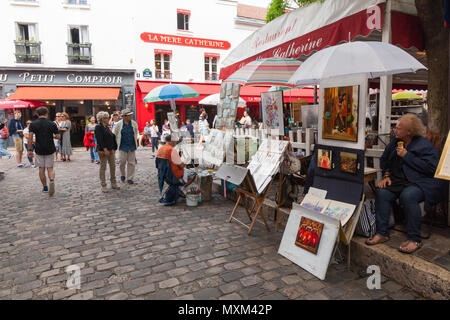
column 79, row 47
column 211, row 68
column 183, row 19
column 162, row 64
column 80, row 2
column 28, row 48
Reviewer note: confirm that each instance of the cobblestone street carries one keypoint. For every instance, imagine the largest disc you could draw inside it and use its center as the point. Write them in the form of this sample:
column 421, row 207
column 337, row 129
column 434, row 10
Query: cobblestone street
column 129, row 246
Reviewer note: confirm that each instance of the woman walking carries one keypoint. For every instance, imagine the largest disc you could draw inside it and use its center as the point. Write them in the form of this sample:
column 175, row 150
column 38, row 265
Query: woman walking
column 57, row 141
column 26, row 132
column 106, row 147
column 154, row 136
column 66, row 145
column 89, row 130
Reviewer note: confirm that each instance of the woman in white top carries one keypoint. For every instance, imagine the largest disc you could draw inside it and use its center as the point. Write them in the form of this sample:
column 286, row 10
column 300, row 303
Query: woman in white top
column 154, row 136
column 204, row 127
column 246, row 121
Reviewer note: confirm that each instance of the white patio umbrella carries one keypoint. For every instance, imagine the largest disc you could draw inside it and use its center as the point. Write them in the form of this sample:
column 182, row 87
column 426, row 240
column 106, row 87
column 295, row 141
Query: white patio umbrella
column 372, row 58
column 214, row 99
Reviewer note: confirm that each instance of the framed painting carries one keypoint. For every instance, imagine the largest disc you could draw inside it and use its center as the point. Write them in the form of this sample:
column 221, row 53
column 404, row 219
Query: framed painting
column 223, row 89
column 236, row 90
column 349, row 162
column 324, row 158
column 340, row 113
column 229, row 91
column 308, row 235
column 272, row 110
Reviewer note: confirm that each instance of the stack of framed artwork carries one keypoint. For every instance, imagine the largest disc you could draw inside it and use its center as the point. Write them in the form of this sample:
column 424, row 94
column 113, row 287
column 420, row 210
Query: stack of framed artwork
column 174, row 130
column 332, row 206
column 227, row 107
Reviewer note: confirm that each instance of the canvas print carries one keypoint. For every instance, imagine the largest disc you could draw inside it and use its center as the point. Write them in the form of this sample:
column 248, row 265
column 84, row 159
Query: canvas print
column 272, row 110
column 233, row 104
column 324, row 158
column 340, row 113
column 236, row 90
column 340, row 210
column 229, row 91
column 223, row 89
column 308, row 235
column 349, row 162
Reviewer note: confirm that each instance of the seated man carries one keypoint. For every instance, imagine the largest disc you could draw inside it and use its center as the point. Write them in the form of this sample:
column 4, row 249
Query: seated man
column 168, row 151
column 408, row 163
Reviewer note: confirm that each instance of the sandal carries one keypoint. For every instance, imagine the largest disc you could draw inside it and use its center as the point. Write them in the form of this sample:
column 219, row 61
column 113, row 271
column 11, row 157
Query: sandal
column 404, row 249
column 381, row 239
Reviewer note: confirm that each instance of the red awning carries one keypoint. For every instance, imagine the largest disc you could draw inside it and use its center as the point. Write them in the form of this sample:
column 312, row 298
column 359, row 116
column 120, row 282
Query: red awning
column 66, row 93
column 248, row 93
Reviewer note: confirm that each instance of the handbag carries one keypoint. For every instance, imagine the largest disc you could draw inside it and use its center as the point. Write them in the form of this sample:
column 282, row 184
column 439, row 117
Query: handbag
column 366, row 226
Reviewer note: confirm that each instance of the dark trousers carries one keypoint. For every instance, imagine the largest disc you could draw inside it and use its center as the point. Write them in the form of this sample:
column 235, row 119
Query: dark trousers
column 410, row 197
column 154, row 143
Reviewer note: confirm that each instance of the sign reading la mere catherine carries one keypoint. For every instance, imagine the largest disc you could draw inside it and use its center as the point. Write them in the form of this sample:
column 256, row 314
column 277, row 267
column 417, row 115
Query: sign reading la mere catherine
column 184, row 41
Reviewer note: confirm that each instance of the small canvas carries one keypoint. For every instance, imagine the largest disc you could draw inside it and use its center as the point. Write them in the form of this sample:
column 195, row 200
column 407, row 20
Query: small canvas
column 223, row 89
column 324, row 158
column 229, row 89
column 308, row 235
column 340, row 210
column 349, row 162
column 272, row 110
column 236, row 90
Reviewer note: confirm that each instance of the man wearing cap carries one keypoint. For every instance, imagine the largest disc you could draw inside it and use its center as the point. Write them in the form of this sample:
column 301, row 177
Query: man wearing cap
column 126, row 132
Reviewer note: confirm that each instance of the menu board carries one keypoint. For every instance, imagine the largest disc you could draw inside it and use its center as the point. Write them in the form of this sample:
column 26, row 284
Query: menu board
column 227, row 107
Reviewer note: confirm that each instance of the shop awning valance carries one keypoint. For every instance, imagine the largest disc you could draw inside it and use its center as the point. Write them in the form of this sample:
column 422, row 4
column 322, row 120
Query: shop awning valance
column 312, row 28
column 66, row 93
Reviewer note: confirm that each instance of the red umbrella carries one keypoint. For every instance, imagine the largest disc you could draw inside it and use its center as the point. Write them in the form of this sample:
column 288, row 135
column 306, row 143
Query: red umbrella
column 19, row 104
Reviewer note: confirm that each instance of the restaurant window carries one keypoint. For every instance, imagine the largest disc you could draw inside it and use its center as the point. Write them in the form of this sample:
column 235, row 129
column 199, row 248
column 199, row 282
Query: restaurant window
column 28, row 48
column 211, row 68
column 79, row 47
column 183, row 19
column 162, row 65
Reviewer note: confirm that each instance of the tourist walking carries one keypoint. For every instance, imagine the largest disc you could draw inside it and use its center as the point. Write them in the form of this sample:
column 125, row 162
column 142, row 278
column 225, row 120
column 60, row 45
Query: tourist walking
column 4, row 136
column 154, row 136
column 90, row 140
column 15, row 129
column 66, row 145
column 57, row 141
column 45, row 130
column 26, row 132
column 126, row 132
column 106, row 149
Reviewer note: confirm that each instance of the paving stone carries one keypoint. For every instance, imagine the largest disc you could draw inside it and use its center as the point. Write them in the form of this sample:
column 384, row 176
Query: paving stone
column 251, row 292
column 231, row 296
column 293, row 292
column 148, row 288
column 83, row 296
column 169, row 283
column 178, row 272
column 107, row 266
column 63, row 294
column 186, row 289
column 289, row 280
column 250, row 280
column 313, row 285
column 207, row 294
column 230, row 287
column 107, row 290
column 234, row 265
column 231, row 276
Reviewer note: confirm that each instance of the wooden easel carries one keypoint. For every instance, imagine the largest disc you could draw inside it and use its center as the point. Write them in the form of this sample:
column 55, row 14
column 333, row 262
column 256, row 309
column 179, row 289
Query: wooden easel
column 258, row 200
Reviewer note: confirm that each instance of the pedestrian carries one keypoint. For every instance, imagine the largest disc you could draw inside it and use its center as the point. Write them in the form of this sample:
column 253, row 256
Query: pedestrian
column 190, row 127
column 154, row 136
column 26, row 131
column 204, row 128
column 45, row 130
column 15, row 129
column 90, row 140
column 57, row 141
column 66, row 145
column 145, row 134
column 106, row 149
column 126, row 132
column 246, row 121
column 4, row 136
column 114, row 120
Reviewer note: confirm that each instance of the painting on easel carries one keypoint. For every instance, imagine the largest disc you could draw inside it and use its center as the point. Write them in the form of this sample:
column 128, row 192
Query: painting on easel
column 340, row 113
column 308, row 235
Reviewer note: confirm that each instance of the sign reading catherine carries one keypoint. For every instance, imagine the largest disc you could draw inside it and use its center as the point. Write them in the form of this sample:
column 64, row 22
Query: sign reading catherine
column 184, row 41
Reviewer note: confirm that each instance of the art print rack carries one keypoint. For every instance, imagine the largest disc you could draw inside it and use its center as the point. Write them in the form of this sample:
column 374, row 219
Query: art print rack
column 263, row 166
column 339, row 170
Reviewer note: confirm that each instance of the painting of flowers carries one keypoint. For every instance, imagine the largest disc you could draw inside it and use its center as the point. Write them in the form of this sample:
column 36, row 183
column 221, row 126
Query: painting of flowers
column 272, row 109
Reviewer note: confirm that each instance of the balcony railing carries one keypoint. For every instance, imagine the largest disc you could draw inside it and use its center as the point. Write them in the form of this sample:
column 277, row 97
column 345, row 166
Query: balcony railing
column 28, row 51
column 163, row 75
column 79, row 53
column 211, row 76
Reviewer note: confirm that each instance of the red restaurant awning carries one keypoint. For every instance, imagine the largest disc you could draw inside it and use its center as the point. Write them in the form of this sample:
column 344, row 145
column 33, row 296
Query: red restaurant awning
column 66, row 93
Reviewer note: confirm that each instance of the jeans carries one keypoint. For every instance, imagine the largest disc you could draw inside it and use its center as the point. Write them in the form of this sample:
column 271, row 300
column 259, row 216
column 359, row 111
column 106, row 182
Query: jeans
column 3, row 148
column 26, row 150
column 410, row 198
column 94, row 154
column 154, row 143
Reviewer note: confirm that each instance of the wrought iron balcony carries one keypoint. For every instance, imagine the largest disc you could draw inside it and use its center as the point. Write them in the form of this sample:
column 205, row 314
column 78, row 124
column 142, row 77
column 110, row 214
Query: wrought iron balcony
column 79, row 53
column 211, row 76
column 163, row 75
column 28, row 51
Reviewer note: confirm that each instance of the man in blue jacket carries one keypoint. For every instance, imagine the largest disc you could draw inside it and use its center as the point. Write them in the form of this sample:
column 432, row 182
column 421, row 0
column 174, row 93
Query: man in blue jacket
column 408, row 163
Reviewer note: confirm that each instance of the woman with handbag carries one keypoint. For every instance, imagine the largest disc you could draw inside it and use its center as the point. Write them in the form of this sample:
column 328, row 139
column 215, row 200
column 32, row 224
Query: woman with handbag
column 66, row 145
column 106, row 148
